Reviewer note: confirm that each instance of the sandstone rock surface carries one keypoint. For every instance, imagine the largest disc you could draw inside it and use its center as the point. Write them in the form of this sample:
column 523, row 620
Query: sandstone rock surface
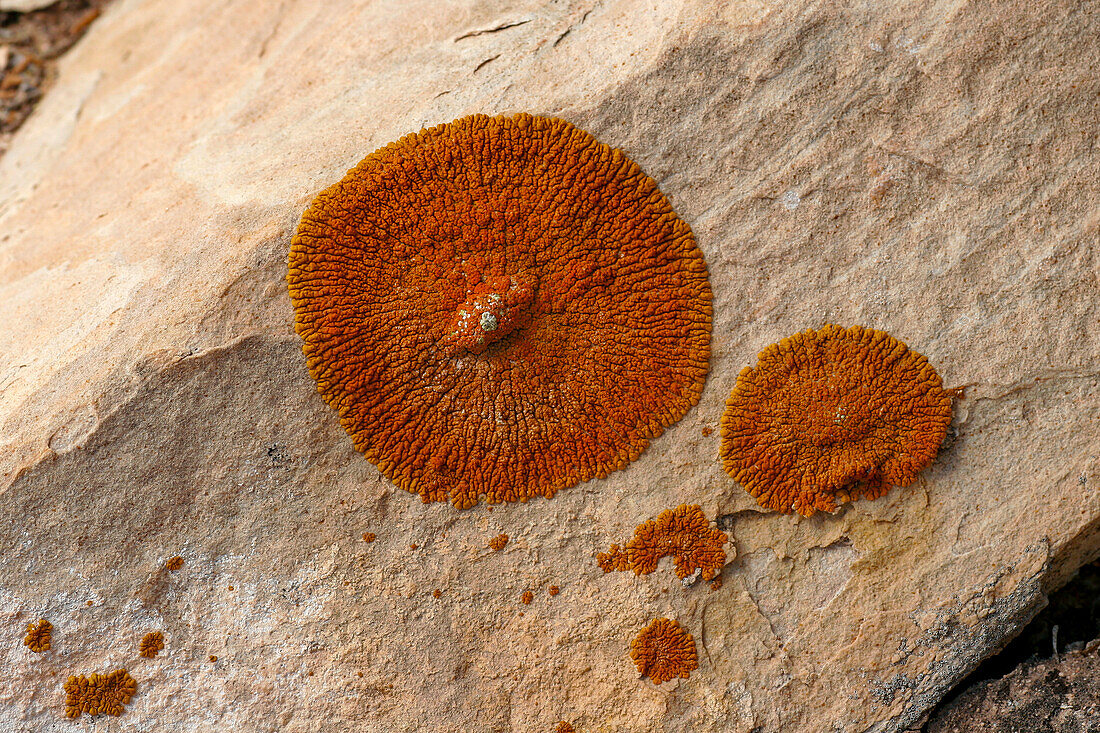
column 928, row 168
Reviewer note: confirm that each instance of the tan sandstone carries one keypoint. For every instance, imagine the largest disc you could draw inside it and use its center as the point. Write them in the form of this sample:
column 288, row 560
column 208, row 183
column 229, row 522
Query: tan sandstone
column 928, row 168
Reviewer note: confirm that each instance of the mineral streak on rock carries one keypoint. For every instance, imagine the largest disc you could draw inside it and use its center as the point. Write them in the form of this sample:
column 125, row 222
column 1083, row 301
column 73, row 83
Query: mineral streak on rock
column 664, row 650
column 38, row 636
column 99, row 694
column 830, row 416
column 499, row 308
column 683, row 532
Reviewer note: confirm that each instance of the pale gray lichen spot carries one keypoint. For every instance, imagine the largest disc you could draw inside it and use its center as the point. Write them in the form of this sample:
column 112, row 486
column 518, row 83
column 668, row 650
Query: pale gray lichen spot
column 488, row 322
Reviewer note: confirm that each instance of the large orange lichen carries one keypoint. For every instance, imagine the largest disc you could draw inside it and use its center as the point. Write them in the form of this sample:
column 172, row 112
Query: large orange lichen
column 499, row 308
column 664, row 650
column 683, row 532
column 831, row 416
column 98, row 694
column 38, row 636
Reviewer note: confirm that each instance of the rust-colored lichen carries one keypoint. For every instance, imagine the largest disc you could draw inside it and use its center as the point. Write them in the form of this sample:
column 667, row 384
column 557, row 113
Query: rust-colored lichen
column 499, row 308
column 174, row 563
column 564, row 727
column 554, row 590
column 151, row 644
column 38, row 636
column 369, row 537
column 664, row 650
column 831, row 416
column 437, row 593
column 99, row 694
column 527, row 597
column 498, row 542
column 683, row 532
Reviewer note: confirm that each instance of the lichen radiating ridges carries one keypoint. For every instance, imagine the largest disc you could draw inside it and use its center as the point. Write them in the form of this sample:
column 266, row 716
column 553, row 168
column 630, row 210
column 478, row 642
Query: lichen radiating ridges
column 499, row 308
column 832, row 416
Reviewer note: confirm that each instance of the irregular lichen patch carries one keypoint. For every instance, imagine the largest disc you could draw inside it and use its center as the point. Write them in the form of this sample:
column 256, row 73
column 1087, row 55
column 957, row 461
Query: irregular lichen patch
column 99, row 694
column 151, row 644
column 664, row 650
column 39, row 634
column 831, row 416
column 499, row 308
column 683, row 532
column 497, row 543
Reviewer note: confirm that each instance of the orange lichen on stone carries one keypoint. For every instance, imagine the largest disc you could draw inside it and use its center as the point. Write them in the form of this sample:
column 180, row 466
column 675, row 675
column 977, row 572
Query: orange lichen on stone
column 564, row 727
column 554, row 590
column 527, row 597
column 99, row 694
column 664, row 650
column 213, row 658
column 151, row 644
column 368, row 537
column 174, row 563
column 683, row 532
column 831, row 416
column 38, row 636
column 499, row 308
column 437, row 593
column 498, row 542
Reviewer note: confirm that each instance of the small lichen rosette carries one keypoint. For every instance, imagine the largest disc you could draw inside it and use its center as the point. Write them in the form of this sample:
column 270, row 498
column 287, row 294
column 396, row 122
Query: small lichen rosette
column 833, row 415
column 499, row 308
column 664, row 650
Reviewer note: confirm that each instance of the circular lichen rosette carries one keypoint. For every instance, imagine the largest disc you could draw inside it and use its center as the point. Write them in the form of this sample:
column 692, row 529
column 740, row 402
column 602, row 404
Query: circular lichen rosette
column 830, row 416
column 499, row 308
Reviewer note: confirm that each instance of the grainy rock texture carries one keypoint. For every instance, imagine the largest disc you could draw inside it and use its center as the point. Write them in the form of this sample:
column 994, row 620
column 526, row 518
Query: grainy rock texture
column 928, row 168
column 1053, row 696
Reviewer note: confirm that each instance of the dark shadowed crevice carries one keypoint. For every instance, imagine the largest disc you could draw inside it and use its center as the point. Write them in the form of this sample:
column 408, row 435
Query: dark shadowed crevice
column 1070, row 620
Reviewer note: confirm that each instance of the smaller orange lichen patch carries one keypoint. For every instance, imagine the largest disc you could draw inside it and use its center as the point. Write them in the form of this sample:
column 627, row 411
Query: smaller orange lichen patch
column 716, row 584
column 98, row 694
column 151, row 644
column 213, row 658
column 554, row 590
column 368, row 537
column 38, row 636
column 174, row 563
column 437, row 593
column 707, row 431
column 831, row 416
column 414, row 547
column 664, row 650
column 527, row 597
column 564, row 727
column 498, row 542
column 683, row 532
